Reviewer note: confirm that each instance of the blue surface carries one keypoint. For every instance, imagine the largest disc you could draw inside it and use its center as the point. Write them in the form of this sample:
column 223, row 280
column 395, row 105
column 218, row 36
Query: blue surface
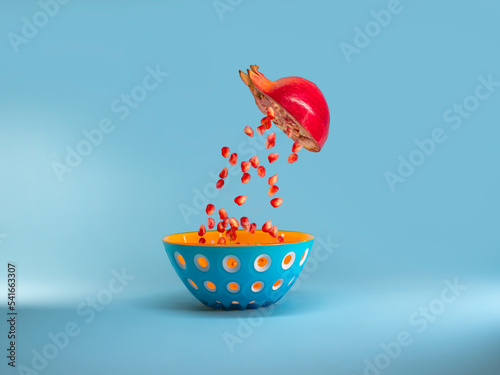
column 388, row 233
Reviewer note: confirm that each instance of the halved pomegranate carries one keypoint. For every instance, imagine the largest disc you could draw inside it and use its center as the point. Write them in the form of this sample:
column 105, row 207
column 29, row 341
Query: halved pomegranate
column 298, row 105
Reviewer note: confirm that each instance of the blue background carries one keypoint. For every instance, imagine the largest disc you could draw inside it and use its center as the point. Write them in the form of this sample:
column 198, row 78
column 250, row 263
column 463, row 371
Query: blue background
column 394, row 248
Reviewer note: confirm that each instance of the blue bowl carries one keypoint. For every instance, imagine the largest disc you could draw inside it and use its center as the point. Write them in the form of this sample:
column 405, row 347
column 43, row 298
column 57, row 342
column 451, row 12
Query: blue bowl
column 255, row 273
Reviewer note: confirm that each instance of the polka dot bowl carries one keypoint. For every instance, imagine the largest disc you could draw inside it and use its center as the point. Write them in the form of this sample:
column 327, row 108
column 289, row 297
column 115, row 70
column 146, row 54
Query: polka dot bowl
column 255, row 273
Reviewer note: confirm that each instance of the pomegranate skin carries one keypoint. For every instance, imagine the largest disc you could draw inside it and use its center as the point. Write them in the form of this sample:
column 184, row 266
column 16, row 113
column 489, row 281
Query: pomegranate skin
column 297, row 103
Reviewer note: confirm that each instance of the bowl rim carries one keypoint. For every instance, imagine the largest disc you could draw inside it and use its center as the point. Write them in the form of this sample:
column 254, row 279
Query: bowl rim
column 307, row 237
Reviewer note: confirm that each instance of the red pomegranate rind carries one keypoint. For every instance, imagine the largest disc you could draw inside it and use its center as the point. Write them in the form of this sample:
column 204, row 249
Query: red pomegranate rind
column 298, row 104
column 210, row 209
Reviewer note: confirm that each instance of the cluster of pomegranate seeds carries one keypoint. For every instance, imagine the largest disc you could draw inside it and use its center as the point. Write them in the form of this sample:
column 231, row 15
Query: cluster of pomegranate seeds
column 228, row 226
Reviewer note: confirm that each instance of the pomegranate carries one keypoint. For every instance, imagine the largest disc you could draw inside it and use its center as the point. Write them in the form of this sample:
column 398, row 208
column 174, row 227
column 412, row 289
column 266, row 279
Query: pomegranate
column 299, row 107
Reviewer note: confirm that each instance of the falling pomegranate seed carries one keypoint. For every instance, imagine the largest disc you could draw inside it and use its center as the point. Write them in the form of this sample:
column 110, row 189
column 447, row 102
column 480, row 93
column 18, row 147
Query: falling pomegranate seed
column 273, row 179
column 220, row 227
column 202, row 230
column 266, row 226
column 233, row 159
column 272, row 157
column 296, row 147
column 293, row 158
column 271, row 137
column 276, row 202
column 240, row 199
column 270, row 144
column 248, row 131
column 210, row 223
column 281, row 239
column 266, row 121
column 234, row 223
column 245, row 223
column 225, row 152
column 245, row 178
column 289, row 132
column 261, row 171
column 261, row 129
column 273, row 231
column 222, row 213
column 272, row 190
column 225, row 222
column 270, row 112
column 210, row 209
column 245, row 166
column 223, row 173
column 254, row 160
column 253, row 228
column 221, row 241
column 202, row 240
column 219, row 184
column 231, row 234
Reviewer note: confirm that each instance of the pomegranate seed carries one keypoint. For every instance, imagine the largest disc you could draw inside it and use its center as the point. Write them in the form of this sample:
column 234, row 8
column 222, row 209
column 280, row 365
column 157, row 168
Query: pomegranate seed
column 272, row 157
column 222, row 213
column 225, row 152
column 234, row 223
column 233, row 159
column 266, row 121
column 272, row 190
column 248, row 131
column 273, row 231
column 281, row 239
column 223, row 173
column 245, row 223
column 270, row 144
column 245, row 166
column 271, row 137
column 240, row 199
column 293, row 158
column 219, row 184
column 245, row 178
column 296, row 147
column 253, row 228
column 276, row 202
column 254, row 160
column 221, row 241
column 270, row 112
column 220, row 227
column 261, row 129
column 289, row 132
column 202, row 230
column 266, row 226
column 202, row 240
column 225, row 222
column 261, row 171
column 231, row 234
column 210, row 223
column 210, row 209
column 273, row 179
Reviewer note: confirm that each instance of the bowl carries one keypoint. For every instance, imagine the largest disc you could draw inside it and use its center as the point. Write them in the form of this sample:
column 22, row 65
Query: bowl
column 255, row 273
